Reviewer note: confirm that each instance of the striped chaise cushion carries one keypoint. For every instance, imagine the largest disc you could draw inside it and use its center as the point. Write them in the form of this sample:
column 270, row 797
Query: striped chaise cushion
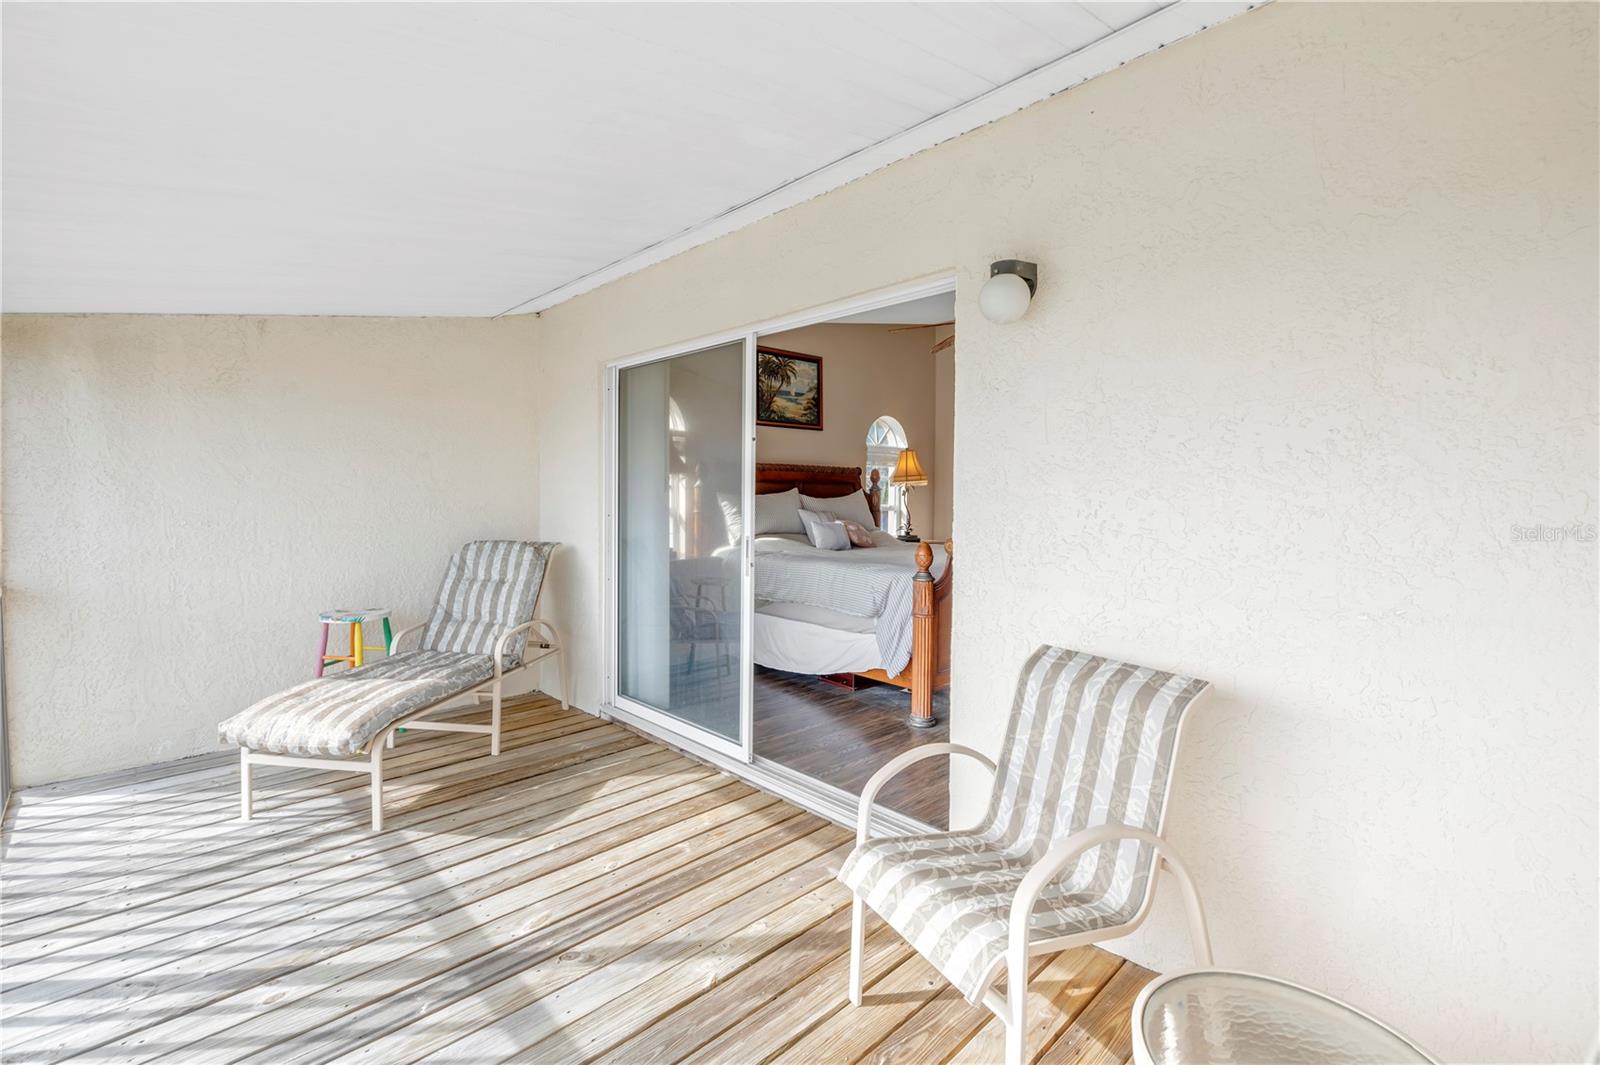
column 489, row 586
column 341, row 713
column 1090, row 742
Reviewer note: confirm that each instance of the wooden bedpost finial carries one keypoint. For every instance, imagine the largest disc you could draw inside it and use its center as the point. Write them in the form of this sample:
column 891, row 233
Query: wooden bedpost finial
column 950, row 550
column 925, row 654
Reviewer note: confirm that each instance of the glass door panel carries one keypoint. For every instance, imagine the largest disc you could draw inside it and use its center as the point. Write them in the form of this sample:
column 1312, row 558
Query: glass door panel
column 680, row 480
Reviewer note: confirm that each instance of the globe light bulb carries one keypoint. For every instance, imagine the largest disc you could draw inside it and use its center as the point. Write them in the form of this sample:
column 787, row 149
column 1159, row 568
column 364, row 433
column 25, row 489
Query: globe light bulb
column 1004, row 298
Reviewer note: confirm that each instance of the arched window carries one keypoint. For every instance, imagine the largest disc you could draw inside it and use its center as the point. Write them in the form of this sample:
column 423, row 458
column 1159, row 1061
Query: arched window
column 885, row 440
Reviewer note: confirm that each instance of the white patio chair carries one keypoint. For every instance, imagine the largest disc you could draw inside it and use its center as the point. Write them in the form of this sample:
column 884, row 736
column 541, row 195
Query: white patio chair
column 476, row 636
column 1068, row 851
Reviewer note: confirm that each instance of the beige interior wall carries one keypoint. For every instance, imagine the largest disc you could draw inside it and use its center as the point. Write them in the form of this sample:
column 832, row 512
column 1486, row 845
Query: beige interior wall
column 867, row 372
column 1316, row 327
column 185, row 494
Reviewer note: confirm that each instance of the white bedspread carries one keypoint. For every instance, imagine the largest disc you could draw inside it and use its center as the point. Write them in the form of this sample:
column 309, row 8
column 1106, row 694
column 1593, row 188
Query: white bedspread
column 810, row 639
column 866, row 582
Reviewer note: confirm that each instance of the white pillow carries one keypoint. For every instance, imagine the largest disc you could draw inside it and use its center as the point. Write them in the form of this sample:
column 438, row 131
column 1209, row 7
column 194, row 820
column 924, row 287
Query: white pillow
column 832, row 536
column 852, row 507
column 777, row 512
column 808, row 518
column 824, row 531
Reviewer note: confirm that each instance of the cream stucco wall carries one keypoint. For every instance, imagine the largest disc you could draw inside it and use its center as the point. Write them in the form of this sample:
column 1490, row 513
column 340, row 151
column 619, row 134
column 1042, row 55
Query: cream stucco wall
column 184, row 494
column 1316, row 328
column 867, row 372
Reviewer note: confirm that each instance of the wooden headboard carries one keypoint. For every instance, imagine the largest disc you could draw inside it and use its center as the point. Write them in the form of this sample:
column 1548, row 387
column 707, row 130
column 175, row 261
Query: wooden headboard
column 824, row 482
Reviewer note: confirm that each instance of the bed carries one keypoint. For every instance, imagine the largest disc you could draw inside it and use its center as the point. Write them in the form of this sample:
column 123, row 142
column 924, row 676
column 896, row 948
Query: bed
column 882, row 614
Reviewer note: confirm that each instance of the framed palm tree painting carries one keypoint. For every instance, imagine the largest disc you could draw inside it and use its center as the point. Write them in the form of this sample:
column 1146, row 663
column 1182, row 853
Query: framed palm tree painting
column 788, row 389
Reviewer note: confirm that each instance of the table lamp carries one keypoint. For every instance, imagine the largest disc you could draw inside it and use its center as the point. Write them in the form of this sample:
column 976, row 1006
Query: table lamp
column 908, row 474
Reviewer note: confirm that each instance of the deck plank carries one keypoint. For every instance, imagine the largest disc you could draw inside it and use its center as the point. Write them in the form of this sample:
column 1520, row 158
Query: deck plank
column 187, row 795
column 939, row 1028
column 217, row 784
column 334, row 799
column 134, row 904
column 474, row 997
column 587, row 895
column 1068, row 984
column 1100, row 1033
column 465, row 894
column 600, row 1010
column 296, row 888
column 34, row 915
column 851, row 1034
column 672, row 1035
column 329, row 974
column 770, row 1029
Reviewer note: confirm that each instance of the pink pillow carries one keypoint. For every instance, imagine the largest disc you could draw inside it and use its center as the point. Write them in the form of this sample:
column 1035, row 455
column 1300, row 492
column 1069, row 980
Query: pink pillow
column 859, row 536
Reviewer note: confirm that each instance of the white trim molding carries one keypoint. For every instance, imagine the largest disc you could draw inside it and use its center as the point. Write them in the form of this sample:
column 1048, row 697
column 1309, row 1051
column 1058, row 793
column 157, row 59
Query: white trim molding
column 1183, row 18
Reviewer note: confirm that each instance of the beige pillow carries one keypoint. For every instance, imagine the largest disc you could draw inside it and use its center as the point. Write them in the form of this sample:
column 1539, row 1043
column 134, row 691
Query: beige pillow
column 860, row 536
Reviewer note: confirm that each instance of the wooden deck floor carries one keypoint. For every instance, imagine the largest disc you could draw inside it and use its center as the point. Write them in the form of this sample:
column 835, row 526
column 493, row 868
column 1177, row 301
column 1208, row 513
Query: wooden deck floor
column 587, row 896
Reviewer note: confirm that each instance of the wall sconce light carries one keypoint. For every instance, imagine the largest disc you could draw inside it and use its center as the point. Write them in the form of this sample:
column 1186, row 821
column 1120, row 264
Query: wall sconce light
column 1010, row 288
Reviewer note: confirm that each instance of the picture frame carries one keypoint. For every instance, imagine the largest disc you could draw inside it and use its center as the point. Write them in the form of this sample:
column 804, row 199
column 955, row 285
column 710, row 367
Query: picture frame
column 788, row 389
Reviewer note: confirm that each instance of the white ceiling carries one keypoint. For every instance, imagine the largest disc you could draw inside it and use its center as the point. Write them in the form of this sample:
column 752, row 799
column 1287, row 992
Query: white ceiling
column 929, row 310
column 420, row 159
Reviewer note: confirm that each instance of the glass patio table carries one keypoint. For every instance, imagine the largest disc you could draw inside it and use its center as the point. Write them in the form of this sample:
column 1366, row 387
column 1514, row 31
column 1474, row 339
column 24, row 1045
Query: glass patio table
column 1219, row 1017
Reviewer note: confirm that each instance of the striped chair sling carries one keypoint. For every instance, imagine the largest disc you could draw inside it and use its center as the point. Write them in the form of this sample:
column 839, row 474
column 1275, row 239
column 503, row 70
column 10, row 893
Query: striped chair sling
column 489, row 586
column 1090, row 742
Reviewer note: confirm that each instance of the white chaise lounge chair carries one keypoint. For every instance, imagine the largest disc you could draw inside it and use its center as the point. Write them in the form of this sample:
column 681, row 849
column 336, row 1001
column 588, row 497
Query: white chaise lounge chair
column 476, row 636
column 1069, row 849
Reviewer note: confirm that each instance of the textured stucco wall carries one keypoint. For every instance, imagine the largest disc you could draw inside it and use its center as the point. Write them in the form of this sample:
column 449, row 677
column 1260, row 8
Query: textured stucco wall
column 1316, row 328
column 184, row 494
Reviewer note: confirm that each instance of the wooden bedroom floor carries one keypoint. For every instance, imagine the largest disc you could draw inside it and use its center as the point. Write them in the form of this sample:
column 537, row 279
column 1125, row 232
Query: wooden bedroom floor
column 842, row 737
column 587, row 896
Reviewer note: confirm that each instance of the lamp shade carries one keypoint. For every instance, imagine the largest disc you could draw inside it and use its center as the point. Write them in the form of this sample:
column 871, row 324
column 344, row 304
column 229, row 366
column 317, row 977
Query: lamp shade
column 908, row 470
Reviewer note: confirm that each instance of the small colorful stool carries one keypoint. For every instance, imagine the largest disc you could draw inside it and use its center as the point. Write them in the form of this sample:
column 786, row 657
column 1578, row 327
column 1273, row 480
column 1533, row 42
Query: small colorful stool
column 358, row 646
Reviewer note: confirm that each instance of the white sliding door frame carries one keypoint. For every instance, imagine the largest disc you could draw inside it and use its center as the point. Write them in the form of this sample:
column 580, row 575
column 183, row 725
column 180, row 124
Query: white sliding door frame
column 660, row 721
column 814, row 795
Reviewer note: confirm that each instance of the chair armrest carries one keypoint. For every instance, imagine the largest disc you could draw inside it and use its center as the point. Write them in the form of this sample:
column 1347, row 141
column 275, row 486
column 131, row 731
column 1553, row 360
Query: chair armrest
column 500, row 642
column 394, row 641
column 1066, row 852
column 895, row 765
column 544, row 633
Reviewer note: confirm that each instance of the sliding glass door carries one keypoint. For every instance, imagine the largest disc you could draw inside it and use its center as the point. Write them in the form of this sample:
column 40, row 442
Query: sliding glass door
column 683, row 450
